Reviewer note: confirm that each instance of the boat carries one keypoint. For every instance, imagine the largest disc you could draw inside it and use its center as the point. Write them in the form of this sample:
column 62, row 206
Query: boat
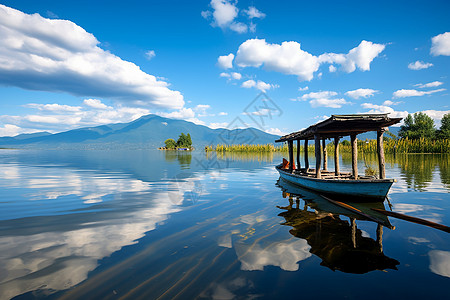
column 336, row 183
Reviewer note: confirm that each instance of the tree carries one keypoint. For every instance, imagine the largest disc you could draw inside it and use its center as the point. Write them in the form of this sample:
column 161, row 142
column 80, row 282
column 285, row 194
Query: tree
column 170, row 144
column 417, row 126
column 184, row 141
column 444, row 131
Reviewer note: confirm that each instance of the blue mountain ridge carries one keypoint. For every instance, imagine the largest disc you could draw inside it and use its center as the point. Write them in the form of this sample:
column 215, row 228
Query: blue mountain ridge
column 149, row 131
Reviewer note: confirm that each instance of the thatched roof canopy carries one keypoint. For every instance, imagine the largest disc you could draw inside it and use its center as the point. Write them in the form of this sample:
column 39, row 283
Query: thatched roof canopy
column 342, row 125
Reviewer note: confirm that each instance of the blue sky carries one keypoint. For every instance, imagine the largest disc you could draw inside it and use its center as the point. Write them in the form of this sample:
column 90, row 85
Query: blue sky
column 70, row 64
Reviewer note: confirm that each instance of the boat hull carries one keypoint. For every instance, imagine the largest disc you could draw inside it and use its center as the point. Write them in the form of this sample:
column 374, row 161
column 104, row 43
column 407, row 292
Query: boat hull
column 370, row 190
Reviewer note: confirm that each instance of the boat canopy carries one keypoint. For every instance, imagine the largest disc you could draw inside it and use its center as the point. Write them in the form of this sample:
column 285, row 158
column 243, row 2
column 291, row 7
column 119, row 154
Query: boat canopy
column 342, row 125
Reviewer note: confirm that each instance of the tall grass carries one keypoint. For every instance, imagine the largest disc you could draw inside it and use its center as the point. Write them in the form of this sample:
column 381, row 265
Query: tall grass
column 422, row 145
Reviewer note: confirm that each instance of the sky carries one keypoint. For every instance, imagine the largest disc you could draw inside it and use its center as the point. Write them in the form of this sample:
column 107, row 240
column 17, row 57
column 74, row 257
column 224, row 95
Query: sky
column 278, row 66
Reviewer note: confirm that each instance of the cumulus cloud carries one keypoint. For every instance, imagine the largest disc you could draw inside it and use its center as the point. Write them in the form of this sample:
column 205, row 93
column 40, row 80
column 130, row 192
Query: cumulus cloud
column 361, row 93
column 60, row 56
column 232, row 75
column 302, row 89
column 54, row 107
column 414, row 93
column 429, row 85
column 225, row 61
column 289, row 58
column 222, row 113
column 56, row 118
column 95, row 103
column 276, row 131
column 10, row 130
column 224, row 14
column 253, row 12
column 236, row 75
column 383, row 109
column 150, row 54
column 218, row 125
column 260, row 85
column 324, row 99
column 419, row 65
column 440, row 44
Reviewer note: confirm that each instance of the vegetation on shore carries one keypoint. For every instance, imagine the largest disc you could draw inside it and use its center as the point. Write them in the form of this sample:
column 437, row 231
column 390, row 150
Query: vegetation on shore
column 417, row 135
column 184, row 141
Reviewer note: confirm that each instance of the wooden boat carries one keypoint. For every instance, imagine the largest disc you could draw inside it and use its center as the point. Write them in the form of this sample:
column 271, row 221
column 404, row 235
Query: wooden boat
column 337, row 183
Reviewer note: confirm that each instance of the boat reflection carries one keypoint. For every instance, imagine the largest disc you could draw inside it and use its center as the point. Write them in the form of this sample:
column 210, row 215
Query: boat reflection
column 338, row 242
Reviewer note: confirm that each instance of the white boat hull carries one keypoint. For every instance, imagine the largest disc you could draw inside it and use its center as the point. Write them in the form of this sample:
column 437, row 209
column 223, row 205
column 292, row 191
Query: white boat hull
column 364, row 189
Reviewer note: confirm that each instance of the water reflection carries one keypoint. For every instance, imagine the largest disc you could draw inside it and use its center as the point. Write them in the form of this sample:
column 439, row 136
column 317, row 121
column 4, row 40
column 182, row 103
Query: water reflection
column 184, row 158
column 61, row 223
column 418, row 170
column 339, row 243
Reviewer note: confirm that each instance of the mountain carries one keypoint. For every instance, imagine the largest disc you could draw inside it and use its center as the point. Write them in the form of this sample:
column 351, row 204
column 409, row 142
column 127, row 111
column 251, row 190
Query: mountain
column 149, row 131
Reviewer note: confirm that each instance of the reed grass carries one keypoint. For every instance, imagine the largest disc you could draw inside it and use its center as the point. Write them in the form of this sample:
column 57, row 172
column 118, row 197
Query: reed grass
column 421, row 145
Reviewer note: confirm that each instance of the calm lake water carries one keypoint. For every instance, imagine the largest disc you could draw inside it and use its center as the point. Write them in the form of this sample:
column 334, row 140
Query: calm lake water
column 168, row 225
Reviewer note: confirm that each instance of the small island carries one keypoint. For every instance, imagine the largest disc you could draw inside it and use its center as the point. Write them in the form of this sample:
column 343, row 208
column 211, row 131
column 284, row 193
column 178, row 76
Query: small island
column 184, row 143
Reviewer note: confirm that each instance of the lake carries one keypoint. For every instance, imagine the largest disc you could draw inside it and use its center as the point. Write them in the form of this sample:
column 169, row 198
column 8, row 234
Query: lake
column 181, row 225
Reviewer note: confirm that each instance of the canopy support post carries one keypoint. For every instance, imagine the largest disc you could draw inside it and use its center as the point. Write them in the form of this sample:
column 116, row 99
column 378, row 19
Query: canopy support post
column 336, row 156
column 324, row 149
column 291, row 155
column 298, row 154
column 317, row 150
column 381, row 153
column 354, row 142
column 306, row 156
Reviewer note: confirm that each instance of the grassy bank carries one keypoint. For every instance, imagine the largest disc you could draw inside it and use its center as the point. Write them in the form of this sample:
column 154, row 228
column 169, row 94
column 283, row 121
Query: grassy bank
column 422, row 145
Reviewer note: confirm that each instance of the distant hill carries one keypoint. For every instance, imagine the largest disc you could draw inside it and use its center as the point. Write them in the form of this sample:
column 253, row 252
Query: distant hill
column 149, row 131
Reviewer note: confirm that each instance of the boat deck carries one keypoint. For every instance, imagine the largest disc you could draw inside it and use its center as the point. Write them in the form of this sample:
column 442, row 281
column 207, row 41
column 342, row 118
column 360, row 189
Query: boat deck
column 325, row 174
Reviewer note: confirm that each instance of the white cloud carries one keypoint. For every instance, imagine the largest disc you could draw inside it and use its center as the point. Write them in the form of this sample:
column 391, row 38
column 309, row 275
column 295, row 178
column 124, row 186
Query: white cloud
column 150, row 54
column 260, row 85
column 324, row 99
column 419, row 65
column 226, row 61
column 332, row 69
column 382, row 109
column 222, row 113
column 390, row 103
column 440, row 44
column 289, row 58
column 236, row 75
column 226, row 75
column 218, row 125
column 436, row 115
column 54, row 107
column 430, row 84
column 224, row 14
column 62, row 120
column 413, row 93
column 253, row 12
column 361, row 93
column 95, row 103
column 302, row 89
column 10, row 130
column 58, row 55
column 276, row 131
column 184, row 113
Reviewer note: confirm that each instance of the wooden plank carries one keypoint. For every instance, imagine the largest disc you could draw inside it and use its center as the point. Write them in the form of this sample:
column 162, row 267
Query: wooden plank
column 336, row 156
column 291, row 155
column 318, row 154
column 413, row 219
column 306, row 156
column 356, row 211
column 380, row 149
column 298, row 155
column 354, row 142
column 324, row 149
